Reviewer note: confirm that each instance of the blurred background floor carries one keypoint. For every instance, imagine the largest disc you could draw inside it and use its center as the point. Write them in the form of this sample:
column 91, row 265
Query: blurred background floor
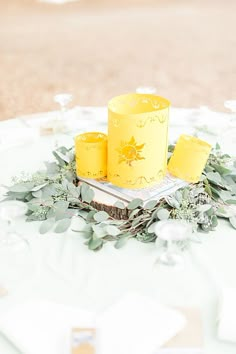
column 96, row 49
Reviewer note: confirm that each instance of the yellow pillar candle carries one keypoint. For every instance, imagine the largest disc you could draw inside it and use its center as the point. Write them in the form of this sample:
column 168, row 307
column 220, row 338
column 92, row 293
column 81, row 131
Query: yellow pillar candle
column 137, row 140
column 91, row 155
column 189, row 158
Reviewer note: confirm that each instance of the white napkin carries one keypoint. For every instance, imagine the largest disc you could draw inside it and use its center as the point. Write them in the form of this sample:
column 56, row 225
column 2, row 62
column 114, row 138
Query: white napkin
column 137, row 325
column 43, row 327
column 227, row 316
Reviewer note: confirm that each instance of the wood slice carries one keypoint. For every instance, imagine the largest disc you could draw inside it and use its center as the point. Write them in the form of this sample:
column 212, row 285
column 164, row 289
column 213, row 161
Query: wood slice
column 105, row 202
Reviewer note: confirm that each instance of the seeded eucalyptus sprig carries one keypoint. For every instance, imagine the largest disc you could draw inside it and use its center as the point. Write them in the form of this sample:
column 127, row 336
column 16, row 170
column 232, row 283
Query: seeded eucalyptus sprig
column 54, row 197
column 219, row 179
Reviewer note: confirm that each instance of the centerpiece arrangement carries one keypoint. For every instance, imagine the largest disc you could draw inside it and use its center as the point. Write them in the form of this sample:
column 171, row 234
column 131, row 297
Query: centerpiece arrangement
column 134, row 156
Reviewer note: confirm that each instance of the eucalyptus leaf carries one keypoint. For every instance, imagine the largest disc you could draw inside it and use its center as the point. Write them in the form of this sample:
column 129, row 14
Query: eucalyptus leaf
column 20, row 187
column 208, row 190
column 214, row 177
column 62, row 156
column 69, row 175
column 133, row 213
column 137, row 220
column 95, row 243
column 172, row 202
column 87, row 194
column 151, row 228
column 113, row 230
column 84, row 187
column 33, row 207
column 208, row 169
column 71, row 154
column 121, row 242
column 101, row 216
column 145, row 237
column 86, row 235
column 49, row 190
column 46, row 226
column 38, row 194
column 60, row 209
column 62, row 225
column 119, row 205
column 163, row 214
column 61, row 214
column 225, row 195
column 28, row 197
column 52, row 168
column 74, row 201
column 78, row 224
column 233, row 188
column 64, row 150
column 223, row 213
column 74, row 191
column 64, row 184
column 178, row 196
column 214, row 221
column 60, row 160
column 82, row 213
column 186, row 193
column 88, row 229
column 221, row 169
column 37, row 188
column 204, row 207
column 210, row 212
column 231, row 201
column 215, row 191
column 99, row 231
column 35, row 217
column 70, row 213
column 48, row 202
column 153, row 218
column 36, row 201
column 88, row 198
column 90, row 215
column 232, row 221
column 135, row 203
column 151, row 204
column 51, row 213
column 109, row 238
column 16, row 195
column 61, row 204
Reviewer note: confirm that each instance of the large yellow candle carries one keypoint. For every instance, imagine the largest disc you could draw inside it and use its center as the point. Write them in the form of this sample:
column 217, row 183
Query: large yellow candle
column 189, row 158
column 91, row 155
column 137, row 140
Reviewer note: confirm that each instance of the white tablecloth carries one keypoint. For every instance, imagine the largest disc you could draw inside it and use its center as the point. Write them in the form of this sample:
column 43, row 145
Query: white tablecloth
column 60, row 268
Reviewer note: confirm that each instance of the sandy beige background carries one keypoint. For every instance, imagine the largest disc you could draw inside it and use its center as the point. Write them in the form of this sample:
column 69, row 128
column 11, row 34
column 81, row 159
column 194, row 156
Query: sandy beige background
column 96, row 49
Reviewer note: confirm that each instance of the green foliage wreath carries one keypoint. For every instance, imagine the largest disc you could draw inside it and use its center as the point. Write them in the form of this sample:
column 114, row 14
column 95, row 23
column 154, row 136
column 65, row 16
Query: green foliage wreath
column 54, row 196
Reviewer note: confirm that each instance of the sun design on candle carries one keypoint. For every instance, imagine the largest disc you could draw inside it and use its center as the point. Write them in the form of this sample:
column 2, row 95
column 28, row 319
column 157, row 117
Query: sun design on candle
column 129, row 151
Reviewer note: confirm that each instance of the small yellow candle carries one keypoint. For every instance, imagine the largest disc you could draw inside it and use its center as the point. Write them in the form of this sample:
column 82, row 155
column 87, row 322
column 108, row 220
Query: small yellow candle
column 189, row 158
column 91, row 155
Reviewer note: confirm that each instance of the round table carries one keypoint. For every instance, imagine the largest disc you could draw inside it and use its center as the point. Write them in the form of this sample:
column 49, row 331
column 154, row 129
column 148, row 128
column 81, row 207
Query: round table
column 63, row 269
